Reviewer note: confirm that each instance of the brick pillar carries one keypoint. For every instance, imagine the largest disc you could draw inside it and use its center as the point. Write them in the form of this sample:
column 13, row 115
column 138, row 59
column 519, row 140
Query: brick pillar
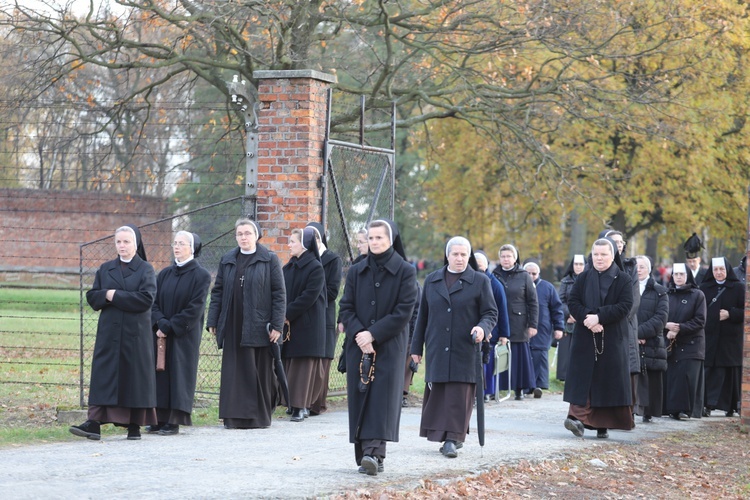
column 292, row 126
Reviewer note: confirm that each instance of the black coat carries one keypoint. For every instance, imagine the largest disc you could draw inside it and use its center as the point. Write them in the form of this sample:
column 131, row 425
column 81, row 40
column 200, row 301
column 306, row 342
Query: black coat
column 444, row 325
column 178, row 311
column 123, row 366
column 332, row 266
column 653, row 312
column 634, row 353
column 566, row 284
column 380, row 301
column 523, row 305
column 604, row 380
column 687, row 307
column 305, row 307
column 264, row 299
column 724, row 339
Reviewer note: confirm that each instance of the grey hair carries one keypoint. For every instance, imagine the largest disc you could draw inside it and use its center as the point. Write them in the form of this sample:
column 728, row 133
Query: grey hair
column 128, row 229
column 244, row 221
column 457, row 240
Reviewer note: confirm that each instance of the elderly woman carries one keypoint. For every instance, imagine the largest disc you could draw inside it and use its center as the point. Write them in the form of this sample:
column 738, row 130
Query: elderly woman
column 305, row 341
column 725, row 309
column 523, row 315
column 376, row 307
column 686, row 345
column 123, row 383
column 457, row 310
column 598, row 385
column 177, row 316
column 576, row 266
column 246, row 314
column 653, row 312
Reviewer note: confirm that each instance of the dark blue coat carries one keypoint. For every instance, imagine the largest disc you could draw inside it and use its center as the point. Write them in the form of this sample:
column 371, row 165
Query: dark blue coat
column 444, row 325
column 502, row 328
column 551, row 315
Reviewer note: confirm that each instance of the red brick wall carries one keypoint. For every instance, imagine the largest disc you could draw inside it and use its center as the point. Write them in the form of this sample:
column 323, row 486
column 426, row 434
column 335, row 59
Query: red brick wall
column 290, row 153
column 41, row 230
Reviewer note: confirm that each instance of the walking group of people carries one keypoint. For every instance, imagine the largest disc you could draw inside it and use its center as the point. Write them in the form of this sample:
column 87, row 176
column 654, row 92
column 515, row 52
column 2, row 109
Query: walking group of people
column 638, row 348
column 625, row 342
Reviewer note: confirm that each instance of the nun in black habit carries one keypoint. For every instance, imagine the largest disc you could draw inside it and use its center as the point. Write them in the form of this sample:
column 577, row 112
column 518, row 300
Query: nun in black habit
column 177, row 315
column 122, row 390
column 598, row 385
column 379, row 296
column 246, row 314
column 332, row 265
column 305, row 340
column 456, row 312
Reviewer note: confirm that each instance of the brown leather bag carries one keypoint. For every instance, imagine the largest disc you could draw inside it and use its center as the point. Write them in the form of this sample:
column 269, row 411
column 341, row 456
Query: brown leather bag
column 161, row 353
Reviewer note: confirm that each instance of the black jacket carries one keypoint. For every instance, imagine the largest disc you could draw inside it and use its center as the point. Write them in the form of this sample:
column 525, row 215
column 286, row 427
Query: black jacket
column 687, row 307
column 724, row 339
column 653, row 312
column 264, row 297
column 305, row 307
column 122, row 367
column 444, row 325
column 523, row 305
column 332, row 266
column 380, row 300
column 602, row 380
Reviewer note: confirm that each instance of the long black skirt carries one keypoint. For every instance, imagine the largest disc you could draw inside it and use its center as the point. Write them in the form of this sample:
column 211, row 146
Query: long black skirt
column 723, row 387
column 683, row 390
column 650, row 389
column 446, row 411
column 248, row 394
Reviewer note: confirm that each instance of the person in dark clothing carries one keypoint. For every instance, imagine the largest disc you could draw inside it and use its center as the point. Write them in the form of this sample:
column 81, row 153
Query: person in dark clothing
column 501, row 332
column 575, row 268
column 177, row 315
column 456, row 312
column 686, row 346
column 549, row 326
column 246, row 314
column 379, row 297
column 653, row 312
column 305, row 345
column 725, row 310
column 122, row 390
column 693, row 247
column 411, row 367
column 332, row 266
column 741, row 270
column 523, row 316
column 598, row 385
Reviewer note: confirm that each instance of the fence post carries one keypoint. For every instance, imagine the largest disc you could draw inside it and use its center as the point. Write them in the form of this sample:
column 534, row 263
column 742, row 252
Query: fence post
column 292, row 129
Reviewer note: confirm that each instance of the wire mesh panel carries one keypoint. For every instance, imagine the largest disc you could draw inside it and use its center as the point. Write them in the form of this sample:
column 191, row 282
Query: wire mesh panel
column 214, row 225
column 359, row 188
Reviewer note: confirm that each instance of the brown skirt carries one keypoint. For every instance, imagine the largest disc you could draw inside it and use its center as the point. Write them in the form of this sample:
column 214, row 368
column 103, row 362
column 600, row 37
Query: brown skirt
column 174, row 417
column 320, row 390
column 302, row 375
column 446, row 411
column 608, row 417
column 122, row 416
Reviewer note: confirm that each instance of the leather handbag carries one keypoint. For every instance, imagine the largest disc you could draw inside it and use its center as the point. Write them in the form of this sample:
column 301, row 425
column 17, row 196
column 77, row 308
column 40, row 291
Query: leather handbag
column 161, row 354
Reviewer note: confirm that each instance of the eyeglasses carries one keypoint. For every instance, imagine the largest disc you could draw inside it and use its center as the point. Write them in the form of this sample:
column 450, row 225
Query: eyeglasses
column 180, row 244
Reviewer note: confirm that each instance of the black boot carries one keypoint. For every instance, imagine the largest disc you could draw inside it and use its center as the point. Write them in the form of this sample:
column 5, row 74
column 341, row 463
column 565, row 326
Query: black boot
column 90, row 429
column 134, row 432
column 169, row 430
column 298, row 415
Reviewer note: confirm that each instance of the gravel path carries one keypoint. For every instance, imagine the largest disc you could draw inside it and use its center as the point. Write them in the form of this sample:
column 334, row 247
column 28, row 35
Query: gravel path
column 289, row 460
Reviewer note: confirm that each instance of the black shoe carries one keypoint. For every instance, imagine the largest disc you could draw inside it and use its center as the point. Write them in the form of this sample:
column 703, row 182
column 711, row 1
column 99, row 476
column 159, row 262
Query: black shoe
column 298, row 415
column 90, row 429
column 449, row 449
column 486, row 398
column 134, row 432
column 404, row 402
column 289, row 410
column 371, row 466
column 152, row 429
column 537, row 393
column 575, row 426
column 730, row 413
column 680, row 416
column 647, row 419
column 602, row 433
column 706, row 412
column 519, row 396
column 169, row 430
column 306, row 413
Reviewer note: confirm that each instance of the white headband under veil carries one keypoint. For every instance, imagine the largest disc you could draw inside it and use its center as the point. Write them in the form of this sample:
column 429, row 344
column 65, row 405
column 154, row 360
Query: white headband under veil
column 390, row 229
column 129, row 230
column 457, row 240
column 190, row 238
